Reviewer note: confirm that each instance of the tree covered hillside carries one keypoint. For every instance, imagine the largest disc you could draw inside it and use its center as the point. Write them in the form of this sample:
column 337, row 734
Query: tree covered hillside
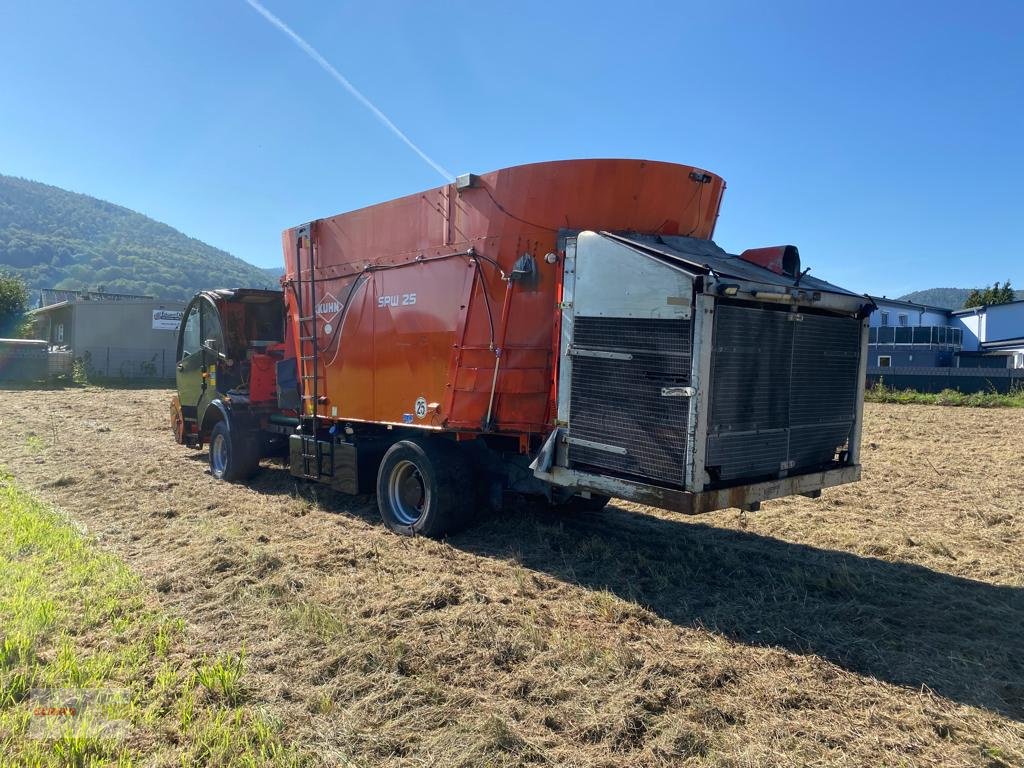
column 54, row 238
column 949, row 298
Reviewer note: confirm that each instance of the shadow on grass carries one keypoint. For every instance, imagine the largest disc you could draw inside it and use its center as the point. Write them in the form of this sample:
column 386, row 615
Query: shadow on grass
column 897, row 622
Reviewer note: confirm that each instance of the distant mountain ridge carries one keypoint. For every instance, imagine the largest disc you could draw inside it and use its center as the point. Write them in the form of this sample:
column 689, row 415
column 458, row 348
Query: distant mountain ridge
column 274, row 273
column 54, row 238
column 948, row 298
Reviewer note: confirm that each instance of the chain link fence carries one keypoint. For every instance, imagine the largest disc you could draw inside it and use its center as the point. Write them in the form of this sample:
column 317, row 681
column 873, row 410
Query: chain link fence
column 966, row 380
column 127, row 363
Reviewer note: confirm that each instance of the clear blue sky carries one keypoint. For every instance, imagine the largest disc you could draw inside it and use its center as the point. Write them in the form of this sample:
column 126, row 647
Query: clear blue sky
column 884, row 139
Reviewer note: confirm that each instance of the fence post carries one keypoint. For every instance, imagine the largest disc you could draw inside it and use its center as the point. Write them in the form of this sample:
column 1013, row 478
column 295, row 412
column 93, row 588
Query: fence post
column 108, row 363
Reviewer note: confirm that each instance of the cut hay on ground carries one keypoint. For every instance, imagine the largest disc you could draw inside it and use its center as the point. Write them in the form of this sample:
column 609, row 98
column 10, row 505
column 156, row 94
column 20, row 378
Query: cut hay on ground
column 881, row 624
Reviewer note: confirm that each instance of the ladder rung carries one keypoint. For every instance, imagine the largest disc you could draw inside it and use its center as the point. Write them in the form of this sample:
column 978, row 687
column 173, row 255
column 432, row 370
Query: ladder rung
column 307, row 319
column 306, row 338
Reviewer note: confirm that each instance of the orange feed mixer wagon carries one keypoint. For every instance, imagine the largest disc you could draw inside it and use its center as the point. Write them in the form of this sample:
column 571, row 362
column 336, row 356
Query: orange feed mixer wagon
column 565, row 329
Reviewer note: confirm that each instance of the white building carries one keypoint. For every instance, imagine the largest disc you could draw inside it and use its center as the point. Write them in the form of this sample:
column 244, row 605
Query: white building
column 996, row 330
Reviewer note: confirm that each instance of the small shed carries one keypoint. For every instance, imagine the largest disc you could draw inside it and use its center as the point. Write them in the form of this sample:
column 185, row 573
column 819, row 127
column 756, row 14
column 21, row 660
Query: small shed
column 23, row 359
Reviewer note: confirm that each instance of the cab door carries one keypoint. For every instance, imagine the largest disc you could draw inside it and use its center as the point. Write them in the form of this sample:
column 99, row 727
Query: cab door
column 197, row 359
column 189, row 374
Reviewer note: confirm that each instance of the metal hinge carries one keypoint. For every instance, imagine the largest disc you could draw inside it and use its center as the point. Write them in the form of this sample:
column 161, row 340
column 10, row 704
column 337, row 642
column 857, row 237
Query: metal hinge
column 577, row 352
column 678, row 391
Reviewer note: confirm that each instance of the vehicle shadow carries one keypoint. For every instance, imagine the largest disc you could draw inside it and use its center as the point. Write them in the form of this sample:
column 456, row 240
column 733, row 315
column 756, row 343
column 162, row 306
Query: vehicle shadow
column 897, row 622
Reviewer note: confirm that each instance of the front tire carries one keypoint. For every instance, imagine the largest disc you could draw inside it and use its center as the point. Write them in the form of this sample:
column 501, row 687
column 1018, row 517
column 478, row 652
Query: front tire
column 425, row 488
column 234, row 454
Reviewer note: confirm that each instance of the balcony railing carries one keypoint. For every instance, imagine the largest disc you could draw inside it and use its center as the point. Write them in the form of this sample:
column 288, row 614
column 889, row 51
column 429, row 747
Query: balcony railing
column 933, row 335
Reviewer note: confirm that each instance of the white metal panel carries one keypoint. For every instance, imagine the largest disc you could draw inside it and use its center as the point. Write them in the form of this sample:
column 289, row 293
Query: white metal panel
column 862, row 377
column 614, row 280
column 700, row 378
column 565, row 342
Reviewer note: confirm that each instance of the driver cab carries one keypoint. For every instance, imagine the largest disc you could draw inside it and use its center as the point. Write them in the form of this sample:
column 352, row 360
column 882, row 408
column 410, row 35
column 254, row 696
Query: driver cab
column 227, row 342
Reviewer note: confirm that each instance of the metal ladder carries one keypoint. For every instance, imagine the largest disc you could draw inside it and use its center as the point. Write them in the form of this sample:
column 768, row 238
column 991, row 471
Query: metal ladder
column 309, row 363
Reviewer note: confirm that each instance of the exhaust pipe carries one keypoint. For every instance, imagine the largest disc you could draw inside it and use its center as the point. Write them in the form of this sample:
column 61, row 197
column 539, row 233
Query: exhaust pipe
column 780, row 259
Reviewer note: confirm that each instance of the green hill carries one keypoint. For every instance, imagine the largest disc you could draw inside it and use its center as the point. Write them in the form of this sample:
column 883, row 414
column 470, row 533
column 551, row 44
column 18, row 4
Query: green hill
column 949, row 298
column 54, row 238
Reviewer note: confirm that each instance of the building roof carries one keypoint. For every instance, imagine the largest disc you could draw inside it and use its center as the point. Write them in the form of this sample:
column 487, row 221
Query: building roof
column 49, row 307
column 911, row 305
column 109, row 303
column 33, row 343
column 976, row 310
column 1003, row 344
column 51, row 296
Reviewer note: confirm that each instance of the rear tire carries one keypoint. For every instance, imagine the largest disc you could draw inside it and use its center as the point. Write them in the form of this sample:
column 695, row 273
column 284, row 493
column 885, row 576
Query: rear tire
column 425, row 488
column 234, row 454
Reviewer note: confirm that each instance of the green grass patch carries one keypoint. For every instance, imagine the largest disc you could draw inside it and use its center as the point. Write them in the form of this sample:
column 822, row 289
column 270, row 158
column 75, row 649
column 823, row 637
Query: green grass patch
column 880, row 393
column 92, row 674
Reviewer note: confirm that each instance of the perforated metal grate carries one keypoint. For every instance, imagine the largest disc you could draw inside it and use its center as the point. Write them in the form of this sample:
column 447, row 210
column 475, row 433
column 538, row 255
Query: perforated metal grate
column 618, row 403
column 784, row 391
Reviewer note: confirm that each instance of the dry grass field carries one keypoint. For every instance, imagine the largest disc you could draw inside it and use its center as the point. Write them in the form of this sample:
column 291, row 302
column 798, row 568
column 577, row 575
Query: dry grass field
column 882, row 624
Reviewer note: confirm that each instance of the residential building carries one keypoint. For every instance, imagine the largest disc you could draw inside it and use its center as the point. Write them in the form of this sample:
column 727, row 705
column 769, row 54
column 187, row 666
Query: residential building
column 994, row 332
column 904, row 334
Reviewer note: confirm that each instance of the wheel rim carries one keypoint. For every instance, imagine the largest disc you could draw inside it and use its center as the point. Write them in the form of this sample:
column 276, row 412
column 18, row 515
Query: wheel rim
column 219, row 454
column 407, row 493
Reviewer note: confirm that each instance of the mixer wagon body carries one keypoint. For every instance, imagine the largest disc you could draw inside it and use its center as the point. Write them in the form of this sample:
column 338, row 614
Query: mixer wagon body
column 408, row 322
column 565, row 329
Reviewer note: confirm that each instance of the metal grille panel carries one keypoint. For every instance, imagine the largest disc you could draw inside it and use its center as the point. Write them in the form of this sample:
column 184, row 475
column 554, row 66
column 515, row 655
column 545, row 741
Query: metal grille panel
column 618, row 403
column 784, row 391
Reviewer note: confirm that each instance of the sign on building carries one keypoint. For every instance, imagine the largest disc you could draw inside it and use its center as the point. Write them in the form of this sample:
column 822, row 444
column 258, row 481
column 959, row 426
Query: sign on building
column 167, row 319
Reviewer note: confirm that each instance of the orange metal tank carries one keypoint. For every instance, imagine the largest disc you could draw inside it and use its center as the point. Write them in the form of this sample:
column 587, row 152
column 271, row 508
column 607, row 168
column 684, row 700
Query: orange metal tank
column 410, row 304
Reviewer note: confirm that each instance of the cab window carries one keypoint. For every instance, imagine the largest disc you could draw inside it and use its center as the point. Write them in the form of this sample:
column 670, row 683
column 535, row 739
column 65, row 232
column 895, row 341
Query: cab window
column 191, row 338
column 211, row 325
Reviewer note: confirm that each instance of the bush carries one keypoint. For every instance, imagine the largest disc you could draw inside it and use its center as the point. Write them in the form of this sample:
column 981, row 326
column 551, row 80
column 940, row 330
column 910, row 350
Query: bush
column 13, row 305
column 879, row 393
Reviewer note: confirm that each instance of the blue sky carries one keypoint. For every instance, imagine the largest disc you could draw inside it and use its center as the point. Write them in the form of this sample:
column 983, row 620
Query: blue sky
column 884, row 139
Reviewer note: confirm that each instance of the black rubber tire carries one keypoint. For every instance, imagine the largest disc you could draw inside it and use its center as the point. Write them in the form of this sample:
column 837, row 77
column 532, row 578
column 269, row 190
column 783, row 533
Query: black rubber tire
column 444, row 477
column 242, row 453
column 595, row 503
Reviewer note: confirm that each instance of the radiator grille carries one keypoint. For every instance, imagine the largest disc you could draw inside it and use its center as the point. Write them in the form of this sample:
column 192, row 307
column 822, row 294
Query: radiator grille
column 618, row 403
column 784, row 392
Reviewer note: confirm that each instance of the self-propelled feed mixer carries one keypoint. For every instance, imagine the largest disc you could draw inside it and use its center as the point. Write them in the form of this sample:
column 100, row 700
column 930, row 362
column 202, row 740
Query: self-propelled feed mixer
column 564, row 329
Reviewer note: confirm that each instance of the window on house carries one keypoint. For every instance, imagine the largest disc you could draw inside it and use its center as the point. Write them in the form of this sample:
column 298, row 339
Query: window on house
column 885, row 318
column 885, row 361
column 904, row 321
column 59, row 335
